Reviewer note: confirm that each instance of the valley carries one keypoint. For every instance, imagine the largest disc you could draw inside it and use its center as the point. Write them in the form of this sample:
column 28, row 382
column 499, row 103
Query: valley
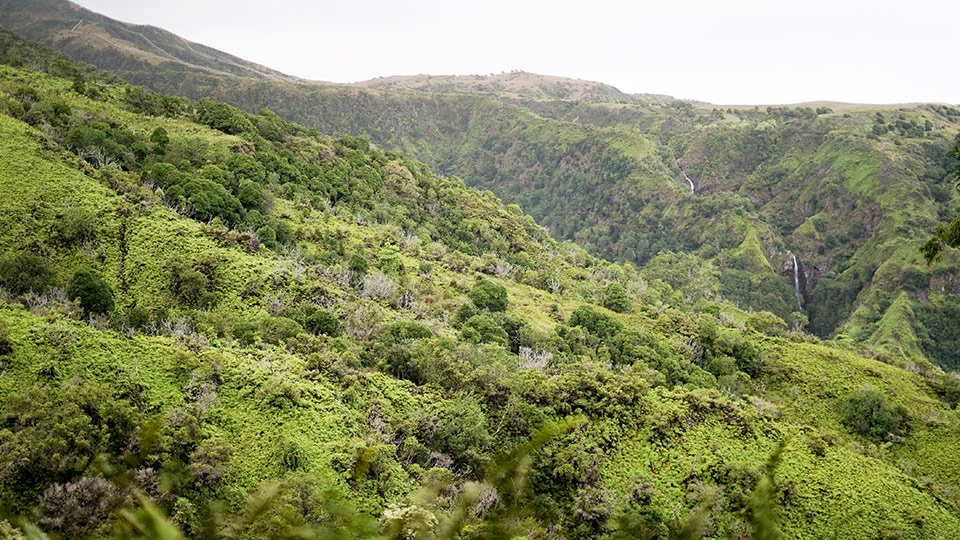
column 238, row 304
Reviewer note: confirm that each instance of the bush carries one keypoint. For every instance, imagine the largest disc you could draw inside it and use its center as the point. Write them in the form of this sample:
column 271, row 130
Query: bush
column 322, row 322
column 483, row 329
column 250, row 194
column 401, row 331
column 598, row 324
column 869, row 413
column 54, row 434
column 25, row 272
column 277, row 329
column 95, row 294
column 205, row 200
column 6, row 346
column 137, row 318
column 615, row 298
column 489, row 296
column 268, row 237
column 76, row 226
column 76, row 507
column 223, row 117
column 357, row 264
column 245, row 332
column 389, row 260
column 192, row 283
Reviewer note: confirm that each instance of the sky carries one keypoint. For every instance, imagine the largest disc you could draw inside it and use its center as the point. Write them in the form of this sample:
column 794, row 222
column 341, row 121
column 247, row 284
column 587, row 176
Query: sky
column 728, row 52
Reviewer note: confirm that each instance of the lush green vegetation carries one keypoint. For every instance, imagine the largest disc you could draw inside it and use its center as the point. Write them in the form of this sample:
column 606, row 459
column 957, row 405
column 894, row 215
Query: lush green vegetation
column 609, row 171
column 222, row 324
column 770, row 185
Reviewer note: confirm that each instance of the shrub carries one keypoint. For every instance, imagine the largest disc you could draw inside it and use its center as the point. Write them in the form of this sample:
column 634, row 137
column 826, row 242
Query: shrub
column 378, row 286
column 615, row 298
column 405, row 330
column 357, row 264
column 483, row 329
column 322, row 322
column 364, row 321
column 598, row 324
column 250, row 194
column 160, row 139
column 489, row 296
column 949, row 389
column 223, row 117
column 268, row 237
column 76, row 507
column 206, row 199
column 138, row 318
column 76, row 225
column 245, row 332
column 24, row 272
column 192, row 283
column 869, row 413
column 54, row 434
column 464, row 312
column 6, row 346
column 277, row 329
column 95, row 294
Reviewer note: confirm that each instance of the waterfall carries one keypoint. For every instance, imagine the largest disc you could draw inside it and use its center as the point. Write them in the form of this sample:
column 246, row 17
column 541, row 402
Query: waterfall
column 693, row 188
column 796, row 280
column 689, row 181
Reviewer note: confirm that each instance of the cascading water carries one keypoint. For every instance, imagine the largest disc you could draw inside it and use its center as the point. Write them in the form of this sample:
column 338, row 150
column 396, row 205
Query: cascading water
column 693, row 188
column 796, row 280
column 689, row 181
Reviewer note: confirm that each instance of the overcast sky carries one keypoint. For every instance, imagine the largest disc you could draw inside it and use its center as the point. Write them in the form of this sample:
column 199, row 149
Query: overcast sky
column 720, row 51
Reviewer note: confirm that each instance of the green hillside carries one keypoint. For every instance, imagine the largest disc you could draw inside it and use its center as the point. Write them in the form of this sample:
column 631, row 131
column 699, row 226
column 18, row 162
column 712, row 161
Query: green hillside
column 225, row 325
column 846, row 191
column 608, row 170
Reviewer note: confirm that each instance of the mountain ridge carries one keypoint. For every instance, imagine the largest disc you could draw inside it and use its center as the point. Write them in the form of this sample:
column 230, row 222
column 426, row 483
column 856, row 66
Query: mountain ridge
column 79, row 31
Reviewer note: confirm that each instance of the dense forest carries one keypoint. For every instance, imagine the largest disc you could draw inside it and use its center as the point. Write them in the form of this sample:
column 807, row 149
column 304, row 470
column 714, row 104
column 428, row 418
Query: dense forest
column 223, row 324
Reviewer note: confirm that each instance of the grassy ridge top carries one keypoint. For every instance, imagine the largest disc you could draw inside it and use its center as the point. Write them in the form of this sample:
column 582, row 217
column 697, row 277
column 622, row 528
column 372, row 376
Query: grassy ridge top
column 513, row 85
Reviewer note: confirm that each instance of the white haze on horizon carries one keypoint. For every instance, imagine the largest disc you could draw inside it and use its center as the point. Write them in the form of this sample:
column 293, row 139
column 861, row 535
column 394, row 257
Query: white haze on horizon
column 734, row 52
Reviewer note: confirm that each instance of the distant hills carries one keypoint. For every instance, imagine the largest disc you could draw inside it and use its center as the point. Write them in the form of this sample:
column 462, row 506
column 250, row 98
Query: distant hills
column 514, row 85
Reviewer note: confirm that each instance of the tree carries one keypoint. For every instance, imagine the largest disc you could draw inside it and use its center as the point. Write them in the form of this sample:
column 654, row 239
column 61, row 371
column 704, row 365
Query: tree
column 95, row 294
column 945, row 235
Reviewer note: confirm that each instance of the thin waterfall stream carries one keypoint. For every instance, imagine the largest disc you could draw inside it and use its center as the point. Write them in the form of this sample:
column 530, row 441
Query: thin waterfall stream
column 796, row 280
column 693, row 188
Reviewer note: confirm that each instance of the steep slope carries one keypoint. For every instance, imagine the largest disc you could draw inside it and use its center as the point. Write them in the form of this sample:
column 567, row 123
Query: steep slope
column 110, row 44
